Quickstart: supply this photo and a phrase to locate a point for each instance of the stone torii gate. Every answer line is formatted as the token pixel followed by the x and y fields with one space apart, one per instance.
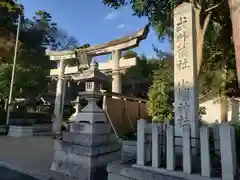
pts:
pixel 85 56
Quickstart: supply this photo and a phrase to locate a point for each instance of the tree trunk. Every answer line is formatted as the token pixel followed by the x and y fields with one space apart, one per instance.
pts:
pixel 224 108
pixel 200 31
pixel 223 96
pixel 200 42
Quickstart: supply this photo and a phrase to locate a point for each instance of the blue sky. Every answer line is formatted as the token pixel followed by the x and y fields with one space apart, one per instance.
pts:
pixel 92 22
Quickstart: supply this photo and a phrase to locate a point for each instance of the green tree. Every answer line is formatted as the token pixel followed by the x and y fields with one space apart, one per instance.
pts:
pixel 141 74
pixel 130 54
pixel 160 94
pixel 144 66
pixel 213 26
pixel 160 16
pixel 9 12
pixel 218 73
pixel 32 65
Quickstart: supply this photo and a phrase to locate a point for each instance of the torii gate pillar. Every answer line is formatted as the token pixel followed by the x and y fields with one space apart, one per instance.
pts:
pixel 59 100
pixel 116 75
pixel 61 86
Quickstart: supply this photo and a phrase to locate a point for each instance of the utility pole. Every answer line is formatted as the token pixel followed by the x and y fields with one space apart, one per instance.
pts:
pixel 13 70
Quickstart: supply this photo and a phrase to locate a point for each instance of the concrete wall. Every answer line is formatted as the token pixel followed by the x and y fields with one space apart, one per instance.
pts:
pixel 213 110
pixel 129 150
pixel 125 113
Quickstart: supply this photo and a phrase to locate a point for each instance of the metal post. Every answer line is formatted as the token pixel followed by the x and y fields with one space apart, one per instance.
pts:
pixel 13 70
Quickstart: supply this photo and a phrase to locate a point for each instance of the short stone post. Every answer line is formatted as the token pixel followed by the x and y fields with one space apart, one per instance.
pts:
pixel 77 107
pixel 187 155
pixel 148 142
pixel 216 137
pixel 155 145
pixel 228 151
pixel 104 104
pixel 85 151
pixel 141 124
pixel 170 148
pixel 205 152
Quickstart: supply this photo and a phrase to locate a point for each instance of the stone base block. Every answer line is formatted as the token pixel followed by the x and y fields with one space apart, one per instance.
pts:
pixel 20 131
pixel 129 146
pixel 91 140
pixel 83 167
pixel 92 117
pixel 89 128
pixel 66 159
pixel 85 150
pixel 39 128
pixel 129 150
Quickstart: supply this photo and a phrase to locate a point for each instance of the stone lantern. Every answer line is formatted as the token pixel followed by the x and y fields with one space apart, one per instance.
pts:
pixel 93 80
pixel 84 152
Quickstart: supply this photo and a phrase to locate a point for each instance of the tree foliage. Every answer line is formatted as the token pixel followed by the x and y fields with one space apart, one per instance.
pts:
pixel 160 94
pixel 160 13
pixel 215 53
pixel 35 36
pixel 142 69
pixel 138 77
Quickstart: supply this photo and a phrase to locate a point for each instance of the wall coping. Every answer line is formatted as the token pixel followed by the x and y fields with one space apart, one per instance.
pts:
pixel 142 172
pixel 129 143
pixel 22 127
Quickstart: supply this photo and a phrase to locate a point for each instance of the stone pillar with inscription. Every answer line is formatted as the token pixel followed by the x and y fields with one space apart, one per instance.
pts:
pixel 84 152
pixel 185 71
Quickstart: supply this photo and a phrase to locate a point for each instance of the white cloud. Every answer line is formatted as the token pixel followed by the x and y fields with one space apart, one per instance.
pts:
pixel 120 26
pixel 111 15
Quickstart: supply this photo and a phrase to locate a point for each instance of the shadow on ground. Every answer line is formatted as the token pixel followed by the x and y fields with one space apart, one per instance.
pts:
pixel 7 174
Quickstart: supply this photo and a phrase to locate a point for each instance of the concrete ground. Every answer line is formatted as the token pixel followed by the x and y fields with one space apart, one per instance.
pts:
pixel 30 155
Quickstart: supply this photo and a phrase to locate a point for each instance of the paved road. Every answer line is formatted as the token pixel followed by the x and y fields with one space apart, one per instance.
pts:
pixel 31 155
pixel 7 174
